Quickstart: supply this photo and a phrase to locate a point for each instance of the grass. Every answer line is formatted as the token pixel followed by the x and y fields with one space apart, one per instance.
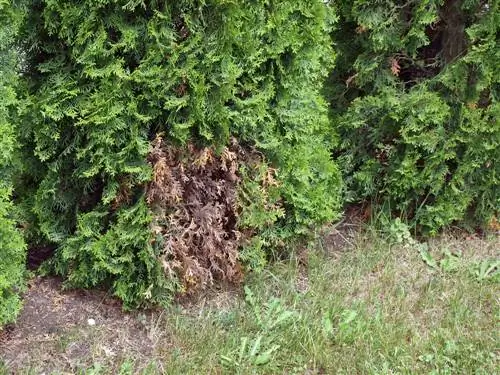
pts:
pixel 378 308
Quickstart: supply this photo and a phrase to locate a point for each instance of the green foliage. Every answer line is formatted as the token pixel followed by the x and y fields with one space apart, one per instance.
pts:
pixel 104 78
pixel 487 270
pixel 12 247
pixel 418 109
pixel 269 318
pixel 123 254
pixel 261 210
pixel 12 257
pixel 448 263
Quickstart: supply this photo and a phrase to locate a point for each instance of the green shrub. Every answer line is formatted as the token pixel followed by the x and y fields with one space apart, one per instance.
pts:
pixel 12 257
pixel 105 79
pixel 417 108
pixel 12 247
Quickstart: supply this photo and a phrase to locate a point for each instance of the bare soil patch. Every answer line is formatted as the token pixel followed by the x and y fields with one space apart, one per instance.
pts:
pixel 53 331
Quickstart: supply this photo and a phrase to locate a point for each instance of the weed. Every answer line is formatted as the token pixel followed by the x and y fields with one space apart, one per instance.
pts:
pixel 487 270
pixel 260 350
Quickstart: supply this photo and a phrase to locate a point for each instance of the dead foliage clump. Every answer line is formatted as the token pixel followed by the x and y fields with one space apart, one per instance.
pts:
pixel 193 195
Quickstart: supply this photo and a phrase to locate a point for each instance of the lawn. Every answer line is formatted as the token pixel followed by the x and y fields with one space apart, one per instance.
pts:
pixel 371 306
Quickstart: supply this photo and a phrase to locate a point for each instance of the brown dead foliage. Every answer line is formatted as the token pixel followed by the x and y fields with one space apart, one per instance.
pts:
pixel 193 195
pixel 395 67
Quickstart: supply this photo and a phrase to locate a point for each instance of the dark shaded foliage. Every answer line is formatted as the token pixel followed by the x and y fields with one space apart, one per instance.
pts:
pixel 417 110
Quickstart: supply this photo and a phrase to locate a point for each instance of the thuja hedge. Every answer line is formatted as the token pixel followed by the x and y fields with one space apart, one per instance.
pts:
pixel 12 247
pixel 105 79
pixel 415 102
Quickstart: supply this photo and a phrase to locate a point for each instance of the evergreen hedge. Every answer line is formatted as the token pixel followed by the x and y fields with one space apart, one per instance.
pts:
pixel 415 101
pixel 105 79
pixel 12 247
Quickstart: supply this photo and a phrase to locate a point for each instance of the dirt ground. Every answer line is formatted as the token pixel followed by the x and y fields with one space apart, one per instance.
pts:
pixel 55 330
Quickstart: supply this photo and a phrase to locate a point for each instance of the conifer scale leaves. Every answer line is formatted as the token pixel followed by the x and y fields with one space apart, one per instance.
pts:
pixel 106 78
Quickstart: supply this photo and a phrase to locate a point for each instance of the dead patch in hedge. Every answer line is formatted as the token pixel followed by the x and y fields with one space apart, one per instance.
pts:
pixel 193 195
